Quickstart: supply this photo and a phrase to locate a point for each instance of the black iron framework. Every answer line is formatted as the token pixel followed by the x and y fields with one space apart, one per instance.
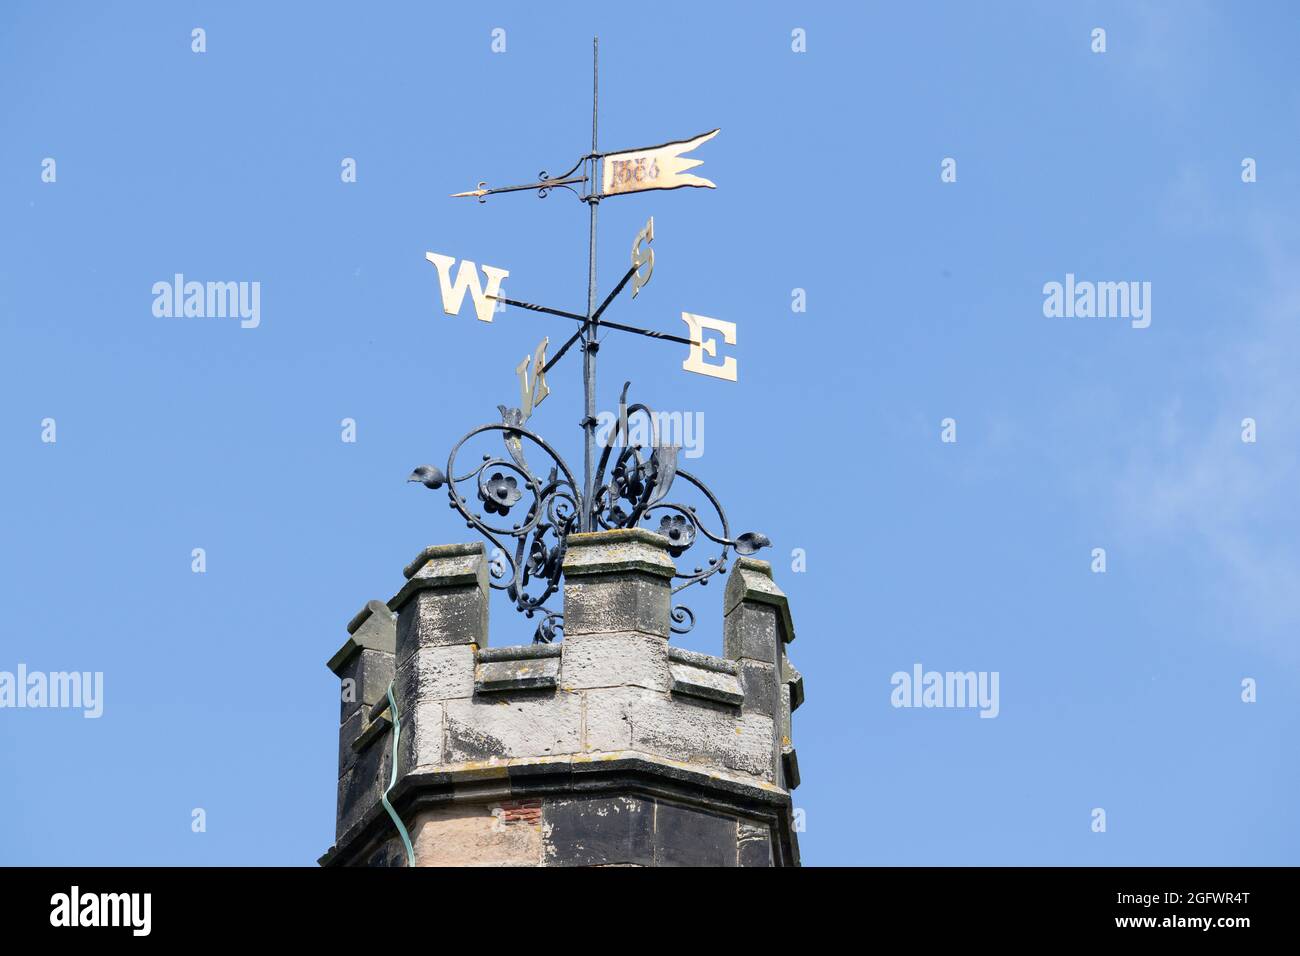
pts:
pixel 629 485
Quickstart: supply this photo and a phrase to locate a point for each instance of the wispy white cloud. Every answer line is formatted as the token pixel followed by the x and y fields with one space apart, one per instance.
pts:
pixel 1193 481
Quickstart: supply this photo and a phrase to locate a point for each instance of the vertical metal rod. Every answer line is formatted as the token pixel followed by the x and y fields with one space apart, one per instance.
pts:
pixel 586 522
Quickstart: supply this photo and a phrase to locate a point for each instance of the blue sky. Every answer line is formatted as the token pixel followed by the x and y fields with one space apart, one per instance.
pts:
pixel 1119 690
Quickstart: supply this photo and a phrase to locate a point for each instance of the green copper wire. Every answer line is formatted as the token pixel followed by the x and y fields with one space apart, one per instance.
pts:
pixel 401 827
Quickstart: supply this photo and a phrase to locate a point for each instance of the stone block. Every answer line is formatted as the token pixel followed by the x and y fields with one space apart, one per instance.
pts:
pixel 445 599
pixel 500 676
pixel 364 664
pixel 375 728
pixel 599 831
pixel 714 736
pixel 751 584
pixel 477 834
pixel 617 603
pixel 613 660
pixel 760 687
pixel 390 853
pixel 361 786
pixel 790 768
pixel 751 632
pixel 349 730
pixel 520 725
pixel 435 672
pixel 372 627
pixel 791 676
pixel 685 836
pixel 450 565
pixel 755 847
pixel 618 551
pixel 421 741
pixel 444 616
pixel 363 681
pixel 689 680
pixel 617 581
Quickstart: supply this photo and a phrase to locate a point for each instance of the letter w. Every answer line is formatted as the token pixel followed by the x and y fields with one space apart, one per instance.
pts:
pixel 453 296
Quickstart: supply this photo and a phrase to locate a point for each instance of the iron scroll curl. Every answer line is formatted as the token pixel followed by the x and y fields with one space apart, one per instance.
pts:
pixel 527 555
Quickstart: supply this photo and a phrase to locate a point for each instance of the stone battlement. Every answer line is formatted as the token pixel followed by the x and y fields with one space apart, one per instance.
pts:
pixel 609 747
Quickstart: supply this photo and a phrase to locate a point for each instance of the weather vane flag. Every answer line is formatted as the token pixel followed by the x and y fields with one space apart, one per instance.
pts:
pixel 530 536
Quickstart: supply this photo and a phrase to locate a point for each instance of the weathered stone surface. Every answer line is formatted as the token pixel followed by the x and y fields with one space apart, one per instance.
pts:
pixel 750 632
pixel 521 725
pixel 790 768
pixel 456 615
pixel 598 776
pixel 685 836
pixel 379 676
pixel 535 673
pixel 622 602
pixel 373 622
pixel 751 583
pixel 759 683
pixel 372 628
pixel 692 681
pixel 391 853
pixel 598 831
pixel 478 834
pixel 694 732
pixel 607 719
pixel 360 787
pixel 349 730
pixel 363 681
pixel 421 741
pixel 790 674
pixel 785 725
pixel 755 846
pixel 374 728
pixel 450 564
pixel 679 655
pixel 445 599
pixel 626 549
pixel 612 660
pixel 617 581
pixel 437 672
pixel 519 652
pixel 425 679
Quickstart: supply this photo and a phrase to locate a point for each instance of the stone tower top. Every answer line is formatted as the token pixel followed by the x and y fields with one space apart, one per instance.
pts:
pixel 608 748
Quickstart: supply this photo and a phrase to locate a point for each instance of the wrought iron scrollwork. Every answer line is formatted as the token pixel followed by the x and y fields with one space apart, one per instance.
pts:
pixel 549 509
pixel 546 183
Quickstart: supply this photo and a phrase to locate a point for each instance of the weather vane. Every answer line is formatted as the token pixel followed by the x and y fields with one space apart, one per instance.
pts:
pixel 640 479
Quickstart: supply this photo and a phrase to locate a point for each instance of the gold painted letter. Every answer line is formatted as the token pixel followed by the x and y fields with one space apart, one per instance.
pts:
pixel 695 361
pixel 532 394
pixel 453 296
pixel 643 259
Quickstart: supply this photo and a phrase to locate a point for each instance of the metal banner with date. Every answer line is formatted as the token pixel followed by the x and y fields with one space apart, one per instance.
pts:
pixel 653 167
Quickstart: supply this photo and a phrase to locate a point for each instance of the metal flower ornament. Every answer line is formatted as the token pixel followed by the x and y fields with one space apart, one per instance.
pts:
pixel 513 487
